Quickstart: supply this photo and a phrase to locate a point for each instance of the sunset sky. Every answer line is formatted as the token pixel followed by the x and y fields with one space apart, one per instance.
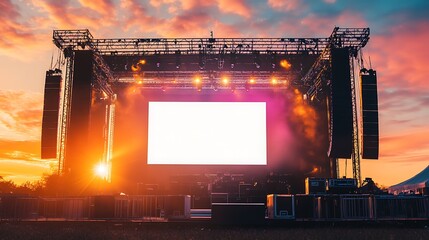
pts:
pixel 398 50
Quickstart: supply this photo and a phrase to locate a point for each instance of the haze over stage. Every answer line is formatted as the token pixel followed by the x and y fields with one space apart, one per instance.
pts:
pixel 225 133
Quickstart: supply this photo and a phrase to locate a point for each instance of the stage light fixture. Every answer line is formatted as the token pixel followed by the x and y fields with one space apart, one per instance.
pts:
pixel 274 81
pixel 197 80
pixel 225 81
pixel 198 83
pixel 285 64
pixel 135 68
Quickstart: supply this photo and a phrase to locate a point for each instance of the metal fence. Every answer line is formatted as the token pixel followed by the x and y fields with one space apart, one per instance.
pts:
pixel 317 207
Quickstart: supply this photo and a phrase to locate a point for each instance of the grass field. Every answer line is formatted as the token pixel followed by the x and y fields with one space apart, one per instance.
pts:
pixel 117 231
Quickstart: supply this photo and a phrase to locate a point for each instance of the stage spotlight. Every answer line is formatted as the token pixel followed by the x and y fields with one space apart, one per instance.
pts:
pixel 198 83
pixel 274 81
pixel 225 81
pixel 101 170
pixel 197 80
pixel 285 64
pixel 138 66
pixel 304 97
pixel 252 81
pixel 135 68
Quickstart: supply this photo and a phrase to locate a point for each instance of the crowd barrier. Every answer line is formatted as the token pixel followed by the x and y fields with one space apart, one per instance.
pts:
pixel 300 207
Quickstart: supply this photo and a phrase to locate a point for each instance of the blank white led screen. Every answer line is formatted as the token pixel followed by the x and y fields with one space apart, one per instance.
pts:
pixel 207 133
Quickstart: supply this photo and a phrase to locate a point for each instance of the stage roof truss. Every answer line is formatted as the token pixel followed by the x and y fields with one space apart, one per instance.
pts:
pixel 318 75
pixel 206 50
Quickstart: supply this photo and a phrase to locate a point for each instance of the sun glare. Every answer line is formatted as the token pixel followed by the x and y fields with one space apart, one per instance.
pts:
pixel 101 170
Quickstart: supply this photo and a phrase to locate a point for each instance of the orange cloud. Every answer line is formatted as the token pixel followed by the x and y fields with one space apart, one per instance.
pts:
pixel 20 129
pixel 20 115
pixel 401 156
pixel 413 146
pixel 104 7
pixel 62 14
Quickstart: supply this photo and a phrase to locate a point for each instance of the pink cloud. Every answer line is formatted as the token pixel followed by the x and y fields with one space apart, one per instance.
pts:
pixel 12 31
pixel 400 56
pixel 285 5
pixel 193 4
pixel 137 16
pixel 187 24
pixel 238 7
pixel 318 25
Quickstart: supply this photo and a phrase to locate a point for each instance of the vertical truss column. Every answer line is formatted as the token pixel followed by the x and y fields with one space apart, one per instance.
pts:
pixel 356 153
pixel 65 110
pixel 108 138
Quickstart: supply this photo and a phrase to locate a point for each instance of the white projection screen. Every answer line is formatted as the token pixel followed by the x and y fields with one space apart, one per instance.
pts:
pixel 207 133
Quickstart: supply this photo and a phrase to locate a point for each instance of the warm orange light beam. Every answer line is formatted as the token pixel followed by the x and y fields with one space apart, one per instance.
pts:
pixel 285 64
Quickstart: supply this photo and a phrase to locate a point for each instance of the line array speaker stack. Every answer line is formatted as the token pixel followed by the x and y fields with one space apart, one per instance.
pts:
pixel 370 138
pixel 340 113
pixel 79 115
pixel 51 105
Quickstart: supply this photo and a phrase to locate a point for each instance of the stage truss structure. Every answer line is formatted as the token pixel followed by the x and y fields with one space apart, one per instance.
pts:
pixel 160 63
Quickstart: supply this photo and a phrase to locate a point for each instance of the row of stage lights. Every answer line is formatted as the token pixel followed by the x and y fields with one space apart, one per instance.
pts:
pixel 225 81
pixel 137 66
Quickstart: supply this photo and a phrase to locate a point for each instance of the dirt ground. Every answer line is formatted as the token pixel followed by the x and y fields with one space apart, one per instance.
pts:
pixel 129 230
